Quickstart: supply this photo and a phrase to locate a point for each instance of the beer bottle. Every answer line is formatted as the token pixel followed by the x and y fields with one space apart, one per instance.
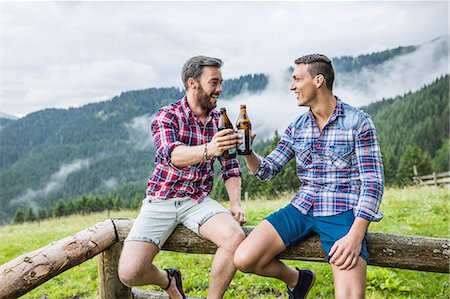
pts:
pixel 244 127
pixel 225 123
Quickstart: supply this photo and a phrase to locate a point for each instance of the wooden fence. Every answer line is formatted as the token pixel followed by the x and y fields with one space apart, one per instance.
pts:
pixel 26 272
pixel 434 179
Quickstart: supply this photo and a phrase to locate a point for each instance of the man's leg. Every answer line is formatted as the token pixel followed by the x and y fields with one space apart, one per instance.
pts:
pixel 225 232
pixel 136 267
pixel 350 284
pixel 347 283
pixel 154 224
pixel 257 253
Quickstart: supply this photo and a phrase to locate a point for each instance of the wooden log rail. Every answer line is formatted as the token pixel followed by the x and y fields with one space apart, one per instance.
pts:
pixel 26 272
pixel 434 179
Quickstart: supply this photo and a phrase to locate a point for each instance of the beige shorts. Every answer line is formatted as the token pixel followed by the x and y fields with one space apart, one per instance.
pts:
pixel 158 218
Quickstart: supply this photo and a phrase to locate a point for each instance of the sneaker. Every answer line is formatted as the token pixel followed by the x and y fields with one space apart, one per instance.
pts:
pixel 305 282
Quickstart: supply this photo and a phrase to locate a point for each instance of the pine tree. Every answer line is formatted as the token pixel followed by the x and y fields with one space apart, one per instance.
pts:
pixel 59 209
pixel 19 217
pixel 31 216
pixel 413 156
pixel 441 161
pixel 42 214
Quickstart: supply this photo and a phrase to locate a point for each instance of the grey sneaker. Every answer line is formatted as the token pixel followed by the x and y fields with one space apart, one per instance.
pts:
pixel 305 282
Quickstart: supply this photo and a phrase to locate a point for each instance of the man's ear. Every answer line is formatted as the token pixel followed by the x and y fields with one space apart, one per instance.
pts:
pixel 319 80
pixel 192 83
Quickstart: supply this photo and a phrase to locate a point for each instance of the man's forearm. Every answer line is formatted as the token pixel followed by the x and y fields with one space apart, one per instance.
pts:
pixel 183 155
pixel 252 161
pixel 359 228
pixel 233 186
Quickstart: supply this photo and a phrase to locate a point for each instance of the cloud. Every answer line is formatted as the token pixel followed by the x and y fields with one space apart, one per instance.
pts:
pixel 56 182
pixel 139 132
pixel 109 184
pixel 82 52
pixel 400 75
pixel 84 82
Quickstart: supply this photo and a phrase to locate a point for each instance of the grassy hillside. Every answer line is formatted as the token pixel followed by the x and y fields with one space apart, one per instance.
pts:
pixel 411 211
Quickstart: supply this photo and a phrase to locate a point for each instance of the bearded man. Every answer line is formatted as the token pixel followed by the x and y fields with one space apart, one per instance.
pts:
pixel 187 142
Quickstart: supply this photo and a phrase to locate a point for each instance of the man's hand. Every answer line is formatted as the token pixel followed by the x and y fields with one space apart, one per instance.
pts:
pixel 238 214
pixel 345 252
pixel 222 141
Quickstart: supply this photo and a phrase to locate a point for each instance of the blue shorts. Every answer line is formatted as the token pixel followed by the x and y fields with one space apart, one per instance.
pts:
pixel 292 226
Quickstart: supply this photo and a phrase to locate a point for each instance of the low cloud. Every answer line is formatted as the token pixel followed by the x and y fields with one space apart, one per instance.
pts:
pixel 276 107
pixel 56 182
pixel 109 184
pixel 139 132
pixel 395 77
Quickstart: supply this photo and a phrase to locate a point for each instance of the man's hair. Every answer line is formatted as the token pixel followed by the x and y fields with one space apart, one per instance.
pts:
pixel 193 68
pixel 318 64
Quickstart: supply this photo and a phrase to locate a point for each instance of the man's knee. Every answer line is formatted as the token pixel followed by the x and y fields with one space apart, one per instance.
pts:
pixel 244 261
pixel 350 284
pixel 232 239
pixel 127 273
pixel 135 261
pixel 349 293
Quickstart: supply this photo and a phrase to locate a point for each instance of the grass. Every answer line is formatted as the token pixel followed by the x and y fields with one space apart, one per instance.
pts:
pixel 410 211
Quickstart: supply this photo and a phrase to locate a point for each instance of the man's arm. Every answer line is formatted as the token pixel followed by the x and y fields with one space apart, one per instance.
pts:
pixel 346 250
pixel 233 186
pixel 253 162
pixel 183 155
pixel 268 167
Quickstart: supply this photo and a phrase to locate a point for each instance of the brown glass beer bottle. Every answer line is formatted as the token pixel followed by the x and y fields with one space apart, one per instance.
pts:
pixel 225 123
pixel 244 127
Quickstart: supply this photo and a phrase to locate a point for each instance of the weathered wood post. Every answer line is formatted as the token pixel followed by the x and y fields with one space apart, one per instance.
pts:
pixel 109 284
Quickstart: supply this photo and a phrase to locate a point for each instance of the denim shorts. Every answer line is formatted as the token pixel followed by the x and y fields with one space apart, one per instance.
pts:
pixel 293 226
pixel 158 217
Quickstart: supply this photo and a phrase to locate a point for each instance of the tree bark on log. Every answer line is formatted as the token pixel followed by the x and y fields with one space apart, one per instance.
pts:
pixel 24 273
pixel 387 250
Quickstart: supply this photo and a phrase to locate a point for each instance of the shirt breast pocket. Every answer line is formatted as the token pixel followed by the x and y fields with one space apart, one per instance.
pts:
pixel 303 154
pixel 339 156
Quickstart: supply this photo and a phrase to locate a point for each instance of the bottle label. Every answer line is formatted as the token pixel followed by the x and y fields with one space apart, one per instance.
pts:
pixel 241 146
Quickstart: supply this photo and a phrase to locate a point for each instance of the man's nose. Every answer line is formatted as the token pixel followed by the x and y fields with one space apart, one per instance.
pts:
pixel 292 86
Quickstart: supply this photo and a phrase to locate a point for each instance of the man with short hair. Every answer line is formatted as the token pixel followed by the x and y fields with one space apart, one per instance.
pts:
pixel 339 162
pixel 187 141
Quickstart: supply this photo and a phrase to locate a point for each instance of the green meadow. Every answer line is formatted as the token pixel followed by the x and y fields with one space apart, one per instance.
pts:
pixel 421 211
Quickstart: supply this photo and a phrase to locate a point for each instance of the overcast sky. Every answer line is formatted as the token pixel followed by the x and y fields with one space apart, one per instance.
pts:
pixel 66 54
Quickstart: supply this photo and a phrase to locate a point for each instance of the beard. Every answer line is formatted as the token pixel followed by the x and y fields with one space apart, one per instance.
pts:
pixel 204 99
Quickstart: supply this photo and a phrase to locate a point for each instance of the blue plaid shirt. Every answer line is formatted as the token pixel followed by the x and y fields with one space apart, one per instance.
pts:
pixel 340 168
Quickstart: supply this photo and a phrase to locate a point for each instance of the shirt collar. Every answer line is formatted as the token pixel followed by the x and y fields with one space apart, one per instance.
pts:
pixel 186 109
pixel 338 111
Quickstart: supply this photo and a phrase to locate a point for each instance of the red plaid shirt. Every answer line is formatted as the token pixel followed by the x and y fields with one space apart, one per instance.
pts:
pixel 175 125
